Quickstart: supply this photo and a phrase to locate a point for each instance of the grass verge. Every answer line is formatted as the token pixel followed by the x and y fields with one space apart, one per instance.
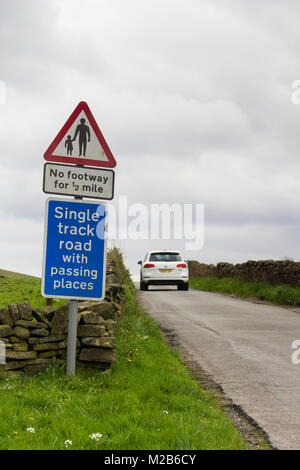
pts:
pixel 148 402
pixel 280 295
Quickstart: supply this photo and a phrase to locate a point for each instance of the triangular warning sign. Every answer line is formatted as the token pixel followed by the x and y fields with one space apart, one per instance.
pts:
pixel 80 141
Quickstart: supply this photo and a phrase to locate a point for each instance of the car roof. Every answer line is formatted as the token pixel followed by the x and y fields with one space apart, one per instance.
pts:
pixel 162 251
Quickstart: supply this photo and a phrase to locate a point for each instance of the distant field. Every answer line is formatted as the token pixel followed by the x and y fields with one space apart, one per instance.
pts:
pixel 280 295
pixel 18 290
pixel 13 275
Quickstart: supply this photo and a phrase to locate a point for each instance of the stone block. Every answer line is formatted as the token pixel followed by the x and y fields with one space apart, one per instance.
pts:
pixel 45 346
pixel 20 346
pixel 21 332
pixel 25 311
pixel 14 339
pixel 98 355
pixel 90 330
pixel 41 317
pixel 14 311
pixel 111 325
pixel 20 355
pixel 60 320
pixel 63 344
pixel 30 324
pixel 49 312
pixel 90 317
pixel 50 353
pixel 5 317
pixel 12 365
pixel 46 339
pixel 5 330
pixel 40 332
pixel 102 342
pixel 105 310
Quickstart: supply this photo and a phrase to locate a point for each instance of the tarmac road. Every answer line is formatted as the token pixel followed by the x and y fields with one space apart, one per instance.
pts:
pixel 245 347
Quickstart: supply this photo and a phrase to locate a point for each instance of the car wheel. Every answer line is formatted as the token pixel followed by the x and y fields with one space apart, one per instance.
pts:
pixel 143 286
pixel 184 286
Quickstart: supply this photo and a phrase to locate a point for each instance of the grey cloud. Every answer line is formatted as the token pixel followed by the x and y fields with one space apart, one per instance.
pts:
pixel 193 98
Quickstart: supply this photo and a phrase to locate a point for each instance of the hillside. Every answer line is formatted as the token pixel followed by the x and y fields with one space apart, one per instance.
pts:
pixel 14 275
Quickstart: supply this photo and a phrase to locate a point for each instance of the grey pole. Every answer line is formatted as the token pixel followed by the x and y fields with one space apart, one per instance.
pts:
pixel 72 331
pixel 72 337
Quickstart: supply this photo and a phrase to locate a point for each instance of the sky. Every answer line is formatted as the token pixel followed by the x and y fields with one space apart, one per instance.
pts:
pixel 193 97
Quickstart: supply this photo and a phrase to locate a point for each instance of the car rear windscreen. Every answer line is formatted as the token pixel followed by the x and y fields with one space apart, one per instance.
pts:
pixel 165 256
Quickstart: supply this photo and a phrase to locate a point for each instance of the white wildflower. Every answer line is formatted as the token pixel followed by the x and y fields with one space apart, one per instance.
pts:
pixel 30 430
pixel 165 412
pixel 96 436
pixel 68 443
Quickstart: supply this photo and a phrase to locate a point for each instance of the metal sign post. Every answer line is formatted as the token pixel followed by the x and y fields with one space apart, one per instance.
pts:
pixel 72 337
pixel 72 334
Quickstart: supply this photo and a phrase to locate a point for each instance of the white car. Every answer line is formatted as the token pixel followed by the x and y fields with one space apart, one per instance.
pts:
pixel 163 268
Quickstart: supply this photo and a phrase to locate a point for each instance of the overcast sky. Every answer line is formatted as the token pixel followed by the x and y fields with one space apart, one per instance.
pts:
pixel 193 97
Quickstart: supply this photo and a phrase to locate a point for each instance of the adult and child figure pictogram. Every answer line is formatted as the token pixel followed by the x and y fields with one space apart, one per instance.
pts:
pixel 84 137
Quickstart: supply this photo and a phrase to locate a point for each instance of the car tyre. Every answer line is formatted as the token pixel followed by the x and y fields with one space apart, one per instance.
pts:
pixel 143 286
pixel 184 286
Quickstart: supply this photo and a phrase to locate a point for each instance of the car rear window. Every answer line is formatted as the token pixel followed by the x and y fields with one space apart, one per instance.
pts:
pixel 165 256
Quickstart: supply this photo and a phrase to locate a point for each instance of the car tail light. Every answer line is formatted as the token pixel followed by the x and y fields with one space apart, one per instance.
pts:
pixel 181 265
pixel 149 265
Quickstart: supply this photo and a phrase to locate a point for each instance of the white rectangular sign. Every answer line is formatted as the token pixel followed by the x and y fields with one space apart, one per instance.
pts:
pixel 85 181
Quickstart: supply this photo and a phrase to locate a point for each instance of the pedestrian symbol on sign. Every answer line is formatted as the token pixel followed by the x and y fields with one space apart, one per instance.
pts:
pixel 69 145
pixel 84 133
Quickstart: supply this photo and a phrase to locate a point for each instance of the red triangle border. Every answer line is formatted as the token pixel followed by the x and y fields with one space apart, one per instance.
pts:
pixel 82 106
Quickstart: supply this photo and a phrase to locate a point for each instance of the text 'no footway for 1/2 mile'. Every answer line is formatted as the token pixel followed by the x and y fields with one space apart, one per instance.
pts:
pixel 69 180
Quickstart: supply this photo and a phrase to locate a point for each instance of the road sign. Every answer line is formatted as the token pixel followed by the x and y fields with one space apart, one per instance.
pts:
pixel 80 141
pixel 86 181
pixel 74 249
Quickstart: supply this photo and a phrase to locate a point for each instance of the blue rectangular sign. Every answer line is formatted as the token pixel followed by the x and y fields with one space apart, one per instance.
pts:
pixel 74 249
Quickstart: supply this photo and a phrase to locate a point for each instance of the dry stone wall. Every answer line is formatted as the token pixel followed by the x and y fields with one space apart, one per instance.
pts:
pixel 273 272
pixel 34 339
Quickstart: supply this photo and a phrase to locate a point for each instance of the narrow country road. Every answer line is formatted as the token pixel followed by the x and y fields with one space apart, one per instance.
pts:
pixel 245 347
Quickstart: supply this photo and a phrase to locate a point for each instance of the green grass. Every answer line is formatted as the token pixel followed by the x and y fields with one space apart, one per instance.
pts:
pixel 13 291
pixel 149 401
pixel 280 295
